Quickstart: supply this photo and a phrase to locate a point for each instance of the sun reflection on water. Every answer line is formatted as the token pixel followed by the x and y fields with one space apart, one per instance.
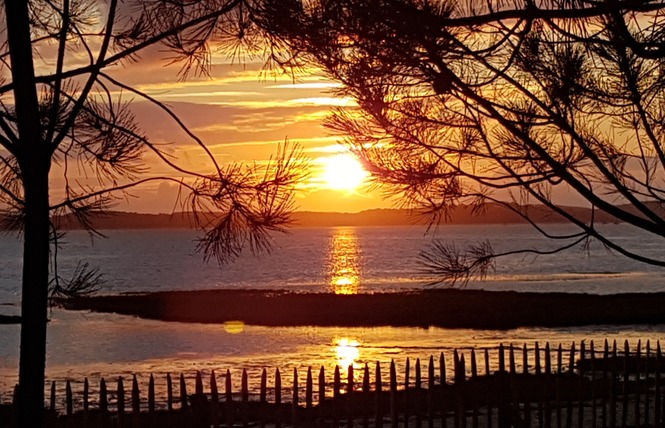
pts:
pixel 344 261
pixel 346 351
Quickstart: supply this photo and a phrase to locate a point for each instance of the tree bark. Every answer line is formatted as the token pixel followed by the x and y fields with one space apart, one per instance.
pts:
pixel 33 156
pixel 34 305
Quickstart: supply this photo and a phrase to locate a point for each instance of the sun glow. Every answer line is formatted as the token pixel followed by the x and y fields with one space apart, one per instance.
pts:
pixel 343 172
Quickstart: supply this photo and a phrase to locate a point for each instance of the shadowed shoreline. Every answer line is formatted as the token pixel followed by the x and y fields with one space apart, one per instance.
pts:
pixel 441 308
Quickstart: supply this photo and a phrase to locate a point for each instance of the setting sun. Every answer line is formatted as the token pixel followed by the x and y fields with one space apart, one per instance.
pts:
pixel 343 172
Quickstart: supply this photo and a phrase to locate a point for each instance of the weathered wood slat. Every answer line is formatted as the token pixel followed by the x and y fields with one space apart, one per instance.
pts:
pixel 103 396
pixel 337 385
pixel 626 376
pixel 394 413
pixel 69 399
pixel 430 391
pixel 637 414
pixel 151 394
pixel 525 371
pixel 278 397
pixel 244 397
pixel 169 392
pixel 52 398
pixel 214 399
pixel 309 394
pixel 647 391
pixel 378 407
pixel 366 392
pixel 322 391
pixel 86 395
pixel 657 385
pixel 349 395
pixel 120 396
pixel 294 399
pixel 136 396
pixel 183 393
pixel 228 395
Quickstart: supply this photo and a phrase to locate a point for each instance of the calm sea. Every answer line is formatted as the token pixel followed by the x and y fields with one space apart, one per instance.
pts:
pixel 344 260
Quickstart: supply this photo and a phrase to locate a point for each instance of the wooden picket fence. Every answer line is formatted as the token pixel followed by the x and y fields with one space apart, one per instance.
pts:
pixel 521 387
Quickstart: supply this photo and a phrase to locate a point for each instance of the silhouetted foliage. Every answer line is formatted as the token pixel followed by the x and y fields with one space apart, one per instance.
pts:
pixel 464 103
pixel 65 125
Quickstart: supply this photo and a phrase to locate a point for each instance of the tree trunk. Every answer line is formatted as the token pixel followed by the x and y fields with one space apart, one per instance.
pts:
pixel 34 305
pixel 34 159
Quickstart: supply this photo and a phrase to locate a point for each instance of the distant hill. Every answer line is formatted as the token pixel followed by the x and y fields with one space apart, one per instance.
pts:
pixel 492 214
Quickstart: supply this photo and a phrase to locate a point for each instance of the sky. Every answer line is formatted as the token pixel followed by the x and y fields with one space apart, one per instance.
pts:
pixel 242 114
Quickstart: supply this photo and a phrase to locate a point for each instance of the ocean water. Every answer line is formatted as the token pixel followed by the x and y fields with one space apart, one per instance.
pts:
pixel 342 260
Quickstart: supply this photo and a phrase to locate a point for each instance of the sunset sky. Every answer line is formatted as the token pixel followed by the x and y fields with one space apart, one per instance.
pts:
pixel 242 113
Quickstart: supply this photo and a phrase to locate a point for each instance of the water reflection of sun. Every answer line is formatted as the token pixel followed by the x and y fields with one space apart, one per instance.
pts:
pixel 344 261
pixel 346 351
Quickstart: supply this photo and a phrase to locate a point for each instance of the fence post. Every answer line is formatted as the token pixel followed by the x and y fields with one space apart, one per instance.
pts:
pixel 198 383
pixel 322 393
pixel 430 391
pixel 407 382
pixel 335 401
pixel 69 400
pixel 525 371
pixel 647 397
pixel 657 397
pixel 502 359
pixel 580 385
pixel 378 414
pixel 442 369
pixel 244 396
pixel 86 395
pixel 349 394
pixel 263 397
pixel 121 401
pixel 183 393
pixel 606 388
pixel 309 387
pixel 214 400
pixel 366 393
pixel 626 379
pixel 169 392
pixel 136 396
pixel 457 389
pixel 613 388
pixel 569 404
pixel 86 402
pixel 136 402
pixel 151 394
pixel 548 385
pixel 278 398
pixel 394 416
pixel 462 399
pixel 474 375
pixel 418 392
pixel 592 355
pixel 52 399
pixel 103 402
pixel 511 359
pixel 103 397
pixel 638 372
pixel 294 399
pixel 228 395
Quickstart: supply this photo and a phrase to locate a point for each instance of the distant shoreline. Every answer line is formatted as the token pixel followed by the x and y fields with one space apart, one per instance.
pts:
pixel 460 215
pixel 451 308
